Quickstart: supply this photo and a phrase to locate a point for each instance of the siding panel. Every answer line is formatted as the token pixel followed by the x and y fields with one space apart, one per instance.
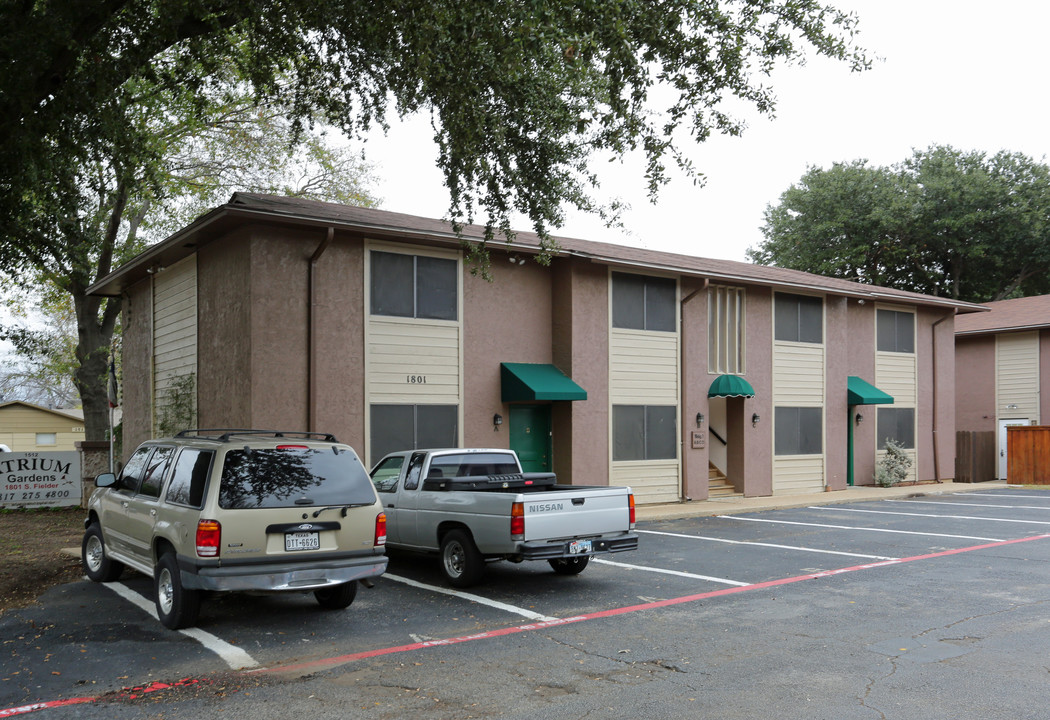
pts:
pixel 1017 375
pixel 174 330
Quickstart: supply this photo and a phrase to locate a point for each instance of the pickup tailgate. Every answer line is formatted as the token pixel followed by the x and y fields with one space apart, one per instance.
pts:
pixel 576 513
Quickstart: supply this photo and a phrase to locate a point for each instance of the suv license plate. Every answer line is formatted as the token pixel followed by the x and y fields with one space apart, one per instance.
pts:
pixel 302 541
pixel 577 547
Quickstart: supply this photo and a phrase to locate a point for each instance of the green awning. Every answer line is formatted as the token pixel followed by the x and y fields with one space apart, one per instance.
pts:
pixel 861 392
pixel 537 381
pixel 730 386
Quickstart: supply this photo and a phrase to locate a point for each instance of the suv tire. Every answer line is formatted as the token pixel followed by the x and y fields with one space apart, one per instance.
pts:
pixel 93 556
pixel 337 597
pixel 177 607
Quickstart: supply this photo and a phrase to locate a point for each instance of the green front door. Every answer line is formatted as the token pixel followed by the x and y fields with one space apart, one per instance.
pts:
pixel 530 436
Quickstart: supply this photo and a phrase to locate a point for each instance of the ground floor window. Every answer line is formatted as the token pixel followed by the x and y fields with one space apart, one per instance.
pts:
pixel 897 424
pixel 644 432
pixel 407 427
pixel 798 431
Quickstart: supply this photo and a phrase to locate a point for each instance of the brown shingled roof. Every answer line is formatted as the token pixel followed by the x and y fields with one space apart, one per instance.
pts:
pixel 394 226
pixel 1027 313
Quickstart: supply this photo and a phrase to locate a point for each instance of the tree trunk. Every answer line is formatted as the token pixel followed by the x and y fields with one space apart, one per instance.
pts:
pixel 94 336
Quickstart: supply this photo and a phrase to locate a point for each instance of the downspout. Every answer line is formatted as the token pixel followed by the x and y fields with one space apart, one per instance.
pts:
pixel 311 330
pixel 681 369
pixel 936 463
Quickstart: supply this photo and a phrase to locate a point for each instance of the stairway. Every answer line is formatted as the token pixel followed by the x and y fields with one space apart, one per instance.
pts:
pixel 718 485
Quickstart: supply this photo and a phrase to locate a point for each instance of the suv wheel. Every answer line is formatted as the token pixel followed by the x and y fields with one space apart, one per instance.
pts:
pixel 336 597
pixel 177 607
pixel 97 565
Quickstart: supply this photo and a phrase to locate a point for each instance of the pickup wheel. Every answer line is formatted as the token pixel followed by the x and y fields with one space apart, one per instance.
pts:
pixel 93 556
pixel 460 559
pixel 177 607
pixel 336 597
pixel 569 566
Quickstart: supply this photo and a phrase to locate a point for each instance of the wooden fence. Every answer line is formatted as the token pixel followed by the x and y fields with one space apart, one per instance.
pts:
pixel 974 456
pixel 1028 455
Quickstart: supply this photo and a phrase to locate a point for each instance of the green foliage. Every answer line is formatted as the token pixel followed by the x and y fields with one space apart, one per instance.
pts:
pixel 178 410
pixel 894 466
pixel 943 222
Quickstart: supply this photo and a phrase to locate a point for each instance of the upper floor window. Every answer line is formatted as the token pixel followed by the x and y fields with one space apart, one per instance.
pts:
pixel 640 302
pixel 798 318
pixel 895 331
pixel 725 330
pixel 414 286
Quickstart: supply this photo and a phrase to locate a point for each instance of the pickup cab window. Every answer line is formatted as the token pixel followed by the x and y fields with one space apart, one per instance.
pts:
pixel 386 473
pixel 414 466
pixel 473 465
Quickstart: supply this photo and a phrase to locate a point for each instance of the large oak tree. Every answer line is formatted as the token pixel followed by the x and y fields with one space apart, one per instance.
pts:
pixel 522 93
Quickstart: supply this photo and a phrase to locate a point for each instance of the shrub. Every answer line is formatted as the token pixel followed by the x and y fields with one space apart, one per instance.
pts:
pixel 894 466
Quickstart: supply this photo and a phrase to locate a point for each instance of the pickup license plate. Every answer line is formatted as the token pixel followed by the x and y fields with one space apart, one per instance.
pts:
pixel 578 547
pixel 302 541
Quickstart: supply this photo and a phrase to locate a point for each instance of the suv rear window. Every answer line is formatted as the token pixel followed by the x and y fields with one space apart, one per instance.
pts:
pixel 293 477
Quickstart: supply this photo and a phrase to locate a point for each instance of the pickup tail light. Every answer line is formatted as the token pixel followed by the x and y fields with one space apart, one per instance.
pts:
pixel 517 521
pixel 630 507
pixel 209 537
pixel 380 536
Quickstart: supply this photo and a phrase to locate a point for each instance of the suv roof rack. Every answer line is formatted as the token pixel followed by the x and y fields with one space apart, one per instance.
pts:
pixel 224 434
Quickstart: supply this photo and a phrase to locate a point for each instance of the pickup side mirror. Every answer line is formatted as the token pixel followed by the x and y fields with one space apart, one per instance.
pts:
pixel 105 480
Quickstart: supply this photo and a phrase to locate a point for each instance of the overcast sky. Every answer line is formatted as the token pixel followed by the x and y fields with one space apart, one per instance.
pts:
pixel 963 73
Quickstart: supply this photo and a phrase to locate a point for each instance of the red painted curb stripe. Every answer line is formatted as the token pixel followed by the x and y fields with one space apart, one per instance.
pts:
pixel 316 665
pixel 343 659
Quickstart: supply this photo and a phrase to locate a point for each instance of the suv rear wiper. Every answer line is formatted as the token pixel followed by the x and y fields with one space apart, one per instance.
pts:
pixel 344 508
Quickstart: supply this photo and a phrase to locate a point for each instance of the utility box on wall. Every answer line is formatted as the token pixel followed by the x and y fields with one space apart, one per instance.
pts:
pixel 1028 455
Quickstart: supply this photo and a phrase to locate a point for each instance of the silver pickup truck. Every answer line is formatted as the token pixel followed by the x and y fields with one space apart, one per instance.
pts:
pixel 476 505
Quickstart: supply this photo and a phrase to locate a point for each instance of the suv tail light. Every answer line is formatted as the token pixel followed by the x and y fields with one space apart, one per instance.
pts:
pixel 630 506
pixel 517 521
pixel 380 536
pixel 209 535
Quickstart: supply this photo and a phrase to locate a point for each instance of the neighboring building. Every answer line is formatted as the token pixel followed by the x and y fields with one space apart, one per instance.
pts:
pixel 1001 358
pixel 612 365
pixel 25 427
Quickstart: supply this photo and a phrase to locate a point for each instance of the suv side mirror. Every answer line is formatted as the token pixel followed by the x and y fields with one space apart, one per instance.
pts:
pixel 105 480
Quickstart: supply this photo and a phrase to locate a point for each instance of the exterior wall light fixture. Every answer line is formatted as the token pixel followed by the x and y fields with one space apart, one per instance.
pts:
pixel 497 420
pixel 699 419
pixel 754 419
pixel 859 418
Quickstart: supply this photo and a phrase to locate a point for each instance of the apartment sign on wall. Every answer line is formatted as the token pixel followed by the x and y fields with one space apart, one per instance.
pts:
pixel 39 479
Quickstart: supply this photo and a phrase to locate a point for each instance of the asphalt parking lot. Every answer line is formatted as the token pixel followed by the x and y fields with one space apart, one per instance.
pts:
pixel 930 606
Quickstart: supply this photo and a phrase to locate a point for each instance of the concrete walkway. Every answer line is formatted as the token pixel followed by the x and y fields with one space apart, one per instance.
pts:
pixel 737 505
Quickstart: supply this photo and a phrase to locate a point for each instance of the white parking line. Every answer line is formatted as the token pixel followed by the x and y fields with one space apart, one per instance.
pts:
pixel 679 573
pixel 983 505
pixel 931 515
pixel 852 527
pixel 768 545
pixel 232 655
pixel 468 596
pixel 1002 495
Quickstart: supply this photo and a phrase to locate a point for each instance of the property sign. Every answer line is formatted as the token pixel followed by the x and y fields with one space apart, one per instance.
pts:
pixel 39 479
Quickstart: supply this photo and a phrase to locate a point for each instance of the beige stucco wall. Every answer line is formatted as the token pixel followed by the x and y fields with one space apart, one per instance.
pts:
pixel 224 369
pixel 860 349
pixel 580 334
pixel 757 452
pixel 505 320
pixel 935 416
pixel 975 383
pixel 694 385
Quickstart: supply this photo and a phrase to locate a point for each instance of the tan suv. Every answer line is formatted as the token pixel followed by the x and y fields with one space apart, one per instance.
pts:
pixel 247 510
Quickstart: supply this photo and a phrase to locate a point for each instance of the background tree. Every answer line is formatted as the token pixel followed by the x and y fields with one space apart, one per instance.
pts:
pixel 199 146
pixel 942 222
